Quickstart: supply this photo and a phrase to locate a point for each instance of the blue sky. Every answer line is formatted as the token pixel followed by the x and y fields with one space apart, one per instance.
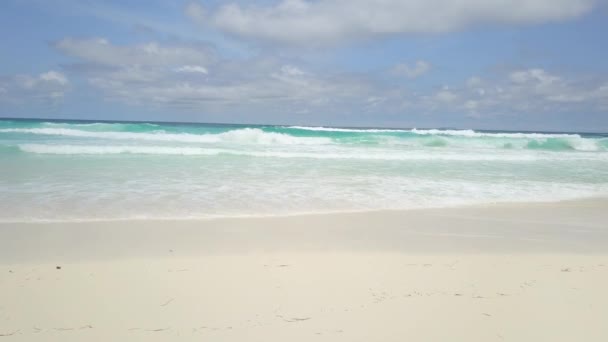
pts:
pixel 497 64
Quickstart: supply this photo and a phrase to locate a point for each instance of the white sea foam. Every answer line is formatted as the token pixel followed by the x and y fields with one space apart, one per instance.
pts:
pixel 354 130
pixel 95 124
pixel 256 136
pixel 582 144
pixel 472 134
pixel 451 132
pixel 242 136
pixel 192 151
pixel 112 171
pixel 94 201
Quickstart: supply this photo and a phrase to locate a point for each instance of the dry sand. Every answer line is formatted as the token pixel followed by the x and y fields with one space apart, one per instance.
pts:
pixel 534 272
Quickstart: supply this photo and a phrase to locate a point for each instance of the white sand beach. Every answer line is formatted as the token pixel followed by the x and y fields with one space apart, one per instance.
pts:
pixel 304 170
pixel 505 272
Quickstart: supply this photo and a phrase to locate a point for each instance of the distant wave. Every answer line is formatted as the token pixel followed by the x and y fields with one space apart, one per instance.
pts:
pixel 411 139
pixel 354 130
pixel 103 126
pixel 245 135
pixel 95 124
pixel 447 138
pixel 450 132
pixel 472 134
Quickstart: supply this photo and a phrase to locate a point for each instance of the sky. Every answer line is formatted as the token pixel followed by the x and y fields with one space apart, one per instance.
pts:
pixel 485 64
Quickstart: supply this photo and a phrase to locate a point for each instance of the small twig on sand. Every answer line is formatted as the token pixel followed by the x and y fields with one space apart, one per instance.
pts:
pixel 168 302
pixel 293 319
pixel 10 334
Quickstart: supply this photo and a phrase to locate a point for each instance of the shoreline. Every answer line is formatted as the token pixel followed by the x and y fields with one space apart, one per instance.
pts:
pixel 583 201
pixel 565 227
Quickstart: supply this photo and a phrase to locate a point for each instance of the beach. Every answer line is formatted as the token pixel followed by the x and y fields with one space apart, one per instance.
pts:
pixel 496 272
pixel 304 170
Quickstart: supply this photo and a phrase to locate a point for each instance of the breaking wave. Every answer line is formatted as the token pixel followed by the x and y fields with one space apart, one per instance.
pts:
pixel 352 130
pixel 436 139
pixel 242 136
pixel 81 171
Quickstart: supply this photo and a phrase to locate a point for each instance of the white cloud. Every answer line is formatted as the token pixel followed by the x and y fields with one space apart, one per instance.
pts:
pixel 291 70
pixel 533 91
pixel 539 76
pixel 471 105
pixel 418 69
pixel 266 84
pixel 474 81
pixel 44 80
pixel 329 21
pixel 262 84
pixel 267 91
pixel 101 51
pixel 195 11
pixel 192 69
pixel 54 76
pixel 51 86
pixel 445 95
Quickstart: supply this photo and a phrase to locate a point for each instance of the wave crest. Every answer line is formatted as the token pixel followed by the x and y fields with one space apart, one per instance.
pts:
pixel 242 136
pixel 445 132
pixel 351 130
pixel 472 134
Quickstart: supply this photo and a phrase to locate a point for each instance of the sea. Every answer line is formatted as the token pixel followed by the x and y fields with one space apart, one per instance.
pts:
pixel 88 171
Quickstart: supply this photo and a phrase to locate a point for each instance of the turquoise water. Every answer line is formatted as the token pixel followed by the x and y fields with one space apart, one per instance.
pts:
pixel 97 171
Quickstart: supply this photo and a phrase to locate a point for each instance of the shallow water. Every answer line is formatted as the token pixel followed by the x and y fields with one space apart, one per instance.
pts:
pixel 92 171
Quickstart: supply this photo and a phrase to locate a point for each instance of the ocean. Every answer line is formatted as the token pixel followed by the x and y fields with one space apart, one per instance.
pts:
pixel 87 171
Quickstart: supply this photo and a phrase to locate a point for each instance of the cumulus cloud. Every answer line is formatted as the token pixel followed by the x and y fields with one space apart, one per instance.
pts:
pixel 329 21
pixel 445 95
pixel 269 86
pixel 54 76
pixel 195 11
pixel 101 51
pixel 474 81
pixel 536 75
pixel 260 84
pixel 192 69
pixel 47 86
pixel 155 74
pixel 531 91
pixel 418 69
